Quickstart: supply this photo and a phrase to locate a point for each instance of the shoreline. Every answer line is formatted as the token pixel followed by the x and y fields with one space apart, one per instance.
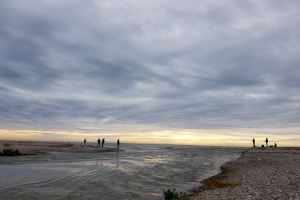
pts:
pixel 28 148
pixel 257 174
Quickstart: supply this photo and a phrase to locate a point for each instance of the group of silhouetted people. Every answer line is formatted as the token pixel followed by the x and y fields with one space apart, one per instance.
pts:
pixel 266 141
pixel 100 143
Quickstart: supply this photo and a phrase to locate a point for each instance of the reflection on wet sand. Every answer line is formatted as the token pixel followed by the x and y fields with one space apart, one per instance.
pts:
pixel 139 172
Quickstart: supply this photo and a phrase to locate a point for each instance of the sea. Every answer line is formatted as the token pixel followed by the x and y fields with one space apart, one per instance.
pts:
pixel 140 172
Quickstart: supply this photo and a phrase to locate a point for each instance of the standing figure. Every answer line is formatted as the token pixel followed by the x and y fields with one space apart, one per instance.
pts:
pixel 84 142
pixel 253 141
pixel 118 144
pixel 267 142
pixel 275 145
pixel 98 142
pixel 103 140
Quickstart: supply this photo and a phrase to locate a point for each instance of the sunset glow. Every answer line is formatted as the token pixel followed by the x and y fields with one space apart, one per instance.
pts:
pixel 180 137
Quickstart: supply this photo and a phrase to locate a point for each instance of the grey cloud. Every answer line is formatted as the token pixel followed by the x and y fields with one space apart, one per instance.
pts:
pixel 201 64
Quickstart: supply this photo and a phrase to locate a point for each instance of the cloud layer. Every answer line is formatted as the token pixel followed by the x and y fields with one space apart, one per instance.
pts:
pixel 195 65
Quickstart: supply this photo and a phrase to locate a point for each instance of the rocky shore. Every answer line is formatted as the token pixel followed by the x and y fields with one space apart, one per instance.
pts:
pixel 269 173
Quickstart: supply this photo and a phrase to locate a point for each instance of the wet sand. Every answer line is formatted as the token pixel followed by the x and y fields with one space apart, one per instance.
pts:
pixel 270 173
pixel 34 148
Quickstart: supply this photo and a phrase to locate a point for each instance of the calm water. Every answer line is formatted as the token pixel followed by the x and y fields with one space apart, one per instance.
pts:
pixel 140 172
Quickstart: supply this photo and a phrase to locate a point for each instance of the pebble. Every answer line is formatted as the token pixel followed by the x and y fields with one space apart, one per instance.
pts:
pixel 260 175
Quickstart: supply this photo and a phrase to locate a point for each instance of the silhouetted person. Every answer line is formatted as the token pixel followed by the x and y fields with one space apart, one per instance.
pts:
pixel 118 144
pixel 275 145
pixel 262 146
pixel 103 140
pixel 266 142
pixel 253 141
pixel 84 142
pixel 98 142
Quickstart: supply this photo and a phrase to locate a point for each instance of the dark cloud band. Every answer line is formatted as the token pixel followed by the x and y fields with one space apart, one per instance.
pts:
pixel 209 64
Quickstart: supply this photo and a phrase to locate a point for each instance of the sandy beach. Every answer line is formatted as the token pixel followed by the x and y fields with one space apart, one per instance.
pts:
pixel 34 148
pixel 258 174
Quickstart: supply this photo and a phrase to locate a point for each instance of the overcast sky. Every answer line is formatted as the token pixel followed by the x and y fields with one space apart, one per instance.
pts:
pixel 150 65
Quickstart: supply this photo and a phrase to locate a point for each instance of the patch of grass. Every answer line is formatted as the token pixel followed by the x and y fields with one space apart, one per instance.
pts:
pixel 10 152
pixel 170 194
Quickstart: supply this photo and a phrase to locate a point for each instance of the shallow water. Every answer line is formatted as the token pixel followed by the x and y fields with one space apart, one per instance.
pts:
pixel 139 172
